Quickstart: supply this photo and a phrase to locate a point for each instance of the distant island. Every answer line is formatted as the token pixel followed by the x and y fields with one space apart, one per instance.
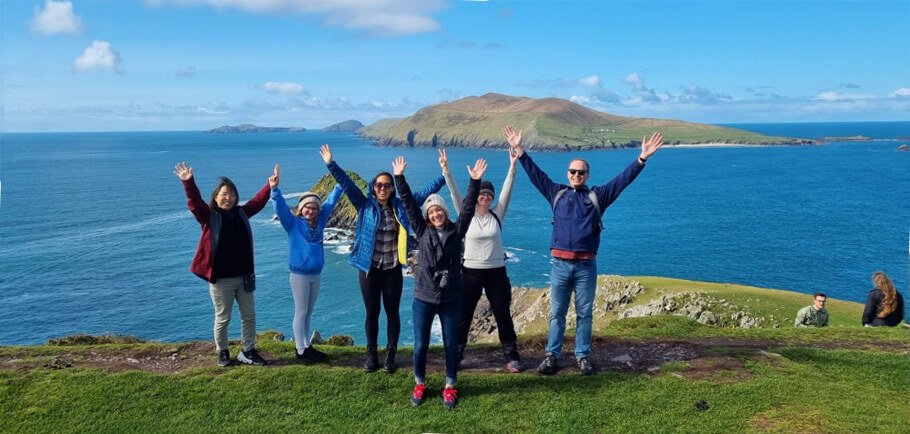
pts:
pixel 551 124
pixel 846 139
pixel 250 128
pixel 348 126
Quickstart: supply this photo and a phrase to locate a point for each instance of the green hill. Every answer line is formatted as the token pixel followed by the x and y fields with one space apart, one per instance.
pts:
pixel 548 123
pixel 657 374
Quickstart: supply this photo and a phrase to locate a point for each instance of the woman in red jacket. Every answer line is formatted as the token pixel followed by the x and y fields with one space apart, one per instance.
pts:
pixel 224 258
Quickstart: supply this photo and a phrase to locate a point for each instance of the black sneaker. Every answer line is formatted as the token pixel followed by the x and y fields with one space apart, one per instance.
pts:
pixel 301 357
pixel 585 366
pixel 549 365
pixel 311 354
pixel 251 357
pixel 224 358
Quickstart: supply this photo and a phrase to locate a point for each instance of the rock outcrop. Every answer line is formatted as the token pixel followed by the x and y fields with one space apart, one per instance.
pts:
pixel 698 306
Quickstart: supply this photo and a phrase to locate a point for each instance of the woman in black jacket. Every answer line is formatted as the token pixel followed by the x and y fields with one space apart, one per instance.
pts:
pixel 437 277
pixel 885 306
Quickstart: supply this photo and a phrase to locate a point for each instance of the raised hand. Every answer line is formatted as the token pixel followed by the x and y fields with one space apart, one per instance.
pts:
pixel 183 171
pixel 479 168
pixel 650 146
pixel 443 160
pixel 514 140
pixel 273 180
pixel 513 158
pixel 326 153
pixel 398 166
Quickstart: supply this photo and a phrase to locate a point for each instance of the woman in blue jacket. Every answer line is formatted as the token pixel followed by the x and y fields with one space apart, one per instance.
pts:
pixel 305 227
pixel 380 249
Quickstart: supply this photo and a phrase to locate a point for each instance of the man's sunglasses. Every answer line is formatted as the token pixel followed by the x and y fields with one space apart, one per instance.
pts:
pixel 581 172
pixel 383 185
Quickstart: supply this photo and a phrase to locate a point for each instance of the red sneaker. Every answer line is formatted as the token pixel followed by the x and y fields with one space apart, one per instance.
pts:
pixel 449 397
pixel 417 396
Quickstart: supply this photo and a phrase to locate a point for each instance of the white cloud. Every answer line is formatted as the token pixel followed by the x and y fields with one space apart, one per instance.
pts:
pixel 903 92
pixel 188 72
pixel 702 95
pixel 634 80
pixel 831 95
pixel 281 87
pixel 590 81
pixel 99 56
pixel 381 17
pixel 56 17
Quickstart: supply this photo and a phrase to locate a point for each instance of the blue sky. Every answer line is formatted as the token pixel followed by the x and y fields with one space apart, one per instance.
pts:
pixel 100 65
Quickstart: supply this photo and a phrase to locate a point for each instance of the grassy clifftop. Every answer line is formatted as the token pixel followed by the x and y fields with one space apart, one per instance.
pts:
pixel 657 374
pixel 548 123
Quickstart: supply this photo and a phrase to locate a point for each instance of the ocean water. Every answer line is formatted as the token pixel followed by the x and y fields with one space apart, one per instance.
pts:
pixel 95 236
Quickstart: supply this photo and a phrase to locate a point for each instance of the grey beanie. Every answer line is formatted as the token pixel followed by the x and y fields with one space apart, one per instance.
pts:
pixel 308 197
pixel 435 200
pixel 487 187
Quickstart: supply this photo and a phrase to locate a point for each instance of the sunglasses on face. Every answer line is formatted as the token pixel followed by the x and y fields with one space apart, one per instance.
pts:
pixel 486 194
pixel 581 172
pixel 383 185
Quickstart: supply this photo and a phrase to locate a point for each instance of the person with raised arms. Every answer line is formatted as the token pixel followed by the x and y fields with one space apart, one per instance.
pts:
pixel 437 277
pixel 484 267
pixel 577 213
pixel 380 249
pixel 224 258
pixel 305 227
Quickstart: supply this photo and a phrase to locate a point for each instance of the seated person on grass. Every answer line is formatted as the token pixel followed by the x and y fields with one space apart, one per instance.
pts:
pixel 814 315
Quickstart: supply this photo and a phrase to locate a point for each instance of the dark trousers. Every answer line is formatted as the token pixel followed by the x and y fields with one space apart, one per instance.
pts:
pixel 382 287
pixel 423 322
pixel 495 283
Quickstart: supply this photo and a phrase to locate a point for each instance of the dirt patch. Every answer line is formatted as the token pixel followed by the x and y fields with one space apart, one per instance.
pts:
pixel 710 359
pixel 803 419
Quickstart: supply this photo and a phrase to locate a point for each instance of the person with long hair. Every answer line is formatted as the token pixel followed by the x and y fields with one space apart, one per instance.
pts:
pixel 884 306
pixel 224 258
pixel 380 249
pixel 437 278
pixel 484 267
pixel 305 227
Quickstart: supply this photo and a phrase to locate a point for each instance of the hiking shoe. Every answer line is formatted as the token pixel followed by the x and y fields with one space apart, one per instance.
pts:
pixel 449 397
pixel 311 354
pixel 390 365
pixel 549 365
pixel 371 364
pixel 585 366
pixel 417 396
pixel 224 358
pixel 251 357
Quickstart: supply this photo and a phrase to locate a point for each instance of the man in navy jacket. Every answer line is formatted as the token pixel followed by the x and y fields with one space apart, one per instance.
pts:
pixel 577 211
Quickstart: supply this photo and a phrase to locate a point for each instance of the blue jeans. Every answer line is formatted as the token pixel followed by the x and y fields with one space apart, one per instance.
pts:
pixel 566 276
pixel 449 315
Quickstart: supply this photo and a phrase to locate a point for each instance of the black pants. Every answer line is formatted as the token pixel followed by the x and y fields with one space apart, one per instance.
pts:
pixel 495 283
pixel 382 286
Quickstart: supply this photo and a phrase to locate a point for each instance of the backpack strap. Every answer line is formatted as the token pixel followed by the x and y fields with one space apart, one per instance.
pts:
pixel 498 221
pixel 592 196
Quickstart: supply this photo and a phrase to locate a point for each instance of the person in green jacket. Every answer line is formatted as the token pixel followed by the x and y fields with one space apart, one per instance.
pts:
pixel 814 315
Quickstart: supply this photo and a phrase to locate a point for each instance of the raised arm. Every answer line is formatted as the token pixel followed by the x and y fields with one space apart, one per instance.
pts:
pixel 254 205
pixel 470 201
pixel 505 193
pixel 194 201
pixel 350 188
pixel 282 210
pixel 329 205
pixel 541 181
pixel 411 207
pixel 650 146
pixel 450 181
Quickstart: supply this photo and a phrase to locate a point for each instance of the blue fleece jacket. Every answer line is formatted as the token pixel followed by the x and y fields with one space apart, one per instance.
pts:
pixel 305 252
pixel 576 223
pixel 369 214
